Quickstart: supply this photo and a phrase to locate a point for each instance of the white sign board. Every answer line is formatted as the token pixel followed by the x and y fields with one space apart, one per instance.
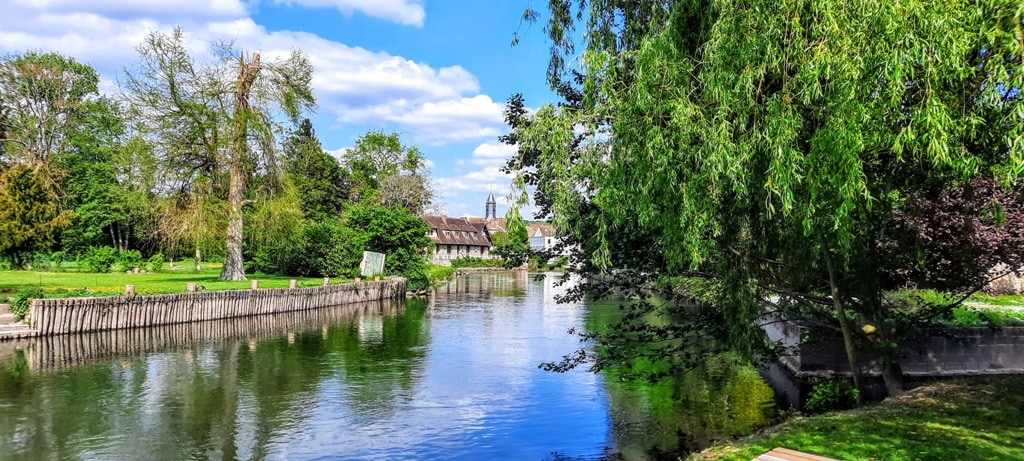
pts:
pixel 373 264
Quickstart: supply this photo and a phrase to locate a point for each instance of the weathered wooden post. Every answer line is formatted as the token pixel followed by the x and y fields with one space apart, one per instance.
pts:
pixel 327 281
pixel 190 287
pixel 376 278
pixel 254 284
pixel 291 283
pixel 129 290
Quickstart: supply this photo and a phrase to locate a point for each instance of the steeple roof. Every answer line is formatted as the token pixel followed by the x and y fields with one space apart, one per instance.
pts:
pixel 490 199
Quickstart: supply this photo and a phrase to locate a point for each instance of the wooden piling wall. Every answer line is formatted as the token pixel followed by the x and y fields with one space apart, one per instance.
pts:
pixel 80 315
pixel 61 352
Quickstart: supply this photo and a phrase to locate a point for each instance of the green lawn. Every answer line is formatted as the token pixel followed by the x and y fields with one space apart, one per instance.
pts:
pixel 976 419
pixel 168 281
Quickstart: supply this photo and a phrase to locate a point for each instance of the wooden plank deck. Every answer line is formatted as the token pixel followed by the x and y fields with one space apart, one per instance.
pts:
pixel 785 454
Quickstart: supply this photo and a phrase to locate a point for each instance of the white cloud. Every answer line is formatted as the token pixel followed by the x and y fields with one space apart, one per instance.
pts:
pixel 142 8
pixel 489 157
pixel 491 154
pixel 409 12
pixel 352 84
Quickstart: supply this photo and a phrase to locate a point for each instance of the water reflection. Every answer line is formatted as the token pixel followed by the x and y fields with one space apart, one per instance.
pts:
pixel 452 377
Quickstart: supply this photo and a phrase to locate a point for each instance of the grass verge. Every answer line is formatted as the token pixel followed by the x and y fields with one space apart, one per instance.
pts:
pixel 976 418
pixel 62 284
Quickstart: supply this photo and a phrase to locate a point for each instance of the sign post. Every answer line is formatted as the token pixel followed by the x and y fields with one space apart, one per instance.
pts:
pixel 373 264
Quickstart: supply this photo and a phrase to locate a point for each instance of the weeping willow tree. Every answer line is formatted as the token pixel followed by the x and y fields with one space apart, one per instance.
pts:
pixel 216 124
pixel 767 147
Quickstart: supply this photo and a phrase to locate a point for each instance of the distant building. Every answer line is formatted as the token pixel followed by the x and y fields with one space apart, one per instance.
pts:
pixel 490 220
pixel 542 236
pixel 457 238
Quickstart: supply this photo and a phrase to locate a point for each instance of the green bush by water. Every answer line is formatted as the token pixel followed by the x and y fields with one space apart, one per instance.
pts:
pixel 23 302
pixel 831 395
pixel 471 261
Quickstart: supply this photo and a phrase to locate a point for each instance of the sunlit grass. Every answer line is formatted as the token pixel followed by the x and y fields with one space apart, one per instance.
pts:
pixel 59 284
pixel 977 419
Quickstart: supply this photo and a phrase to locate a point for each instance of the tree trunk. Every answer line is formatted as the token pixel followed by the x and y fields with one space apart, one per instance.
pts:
pixel 844 326
pixel 234 268
pixel 892 374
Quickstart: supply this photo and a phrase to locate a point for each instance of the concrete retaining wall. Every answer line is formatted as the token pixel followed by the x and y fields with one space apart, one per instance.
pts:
pixel 940 352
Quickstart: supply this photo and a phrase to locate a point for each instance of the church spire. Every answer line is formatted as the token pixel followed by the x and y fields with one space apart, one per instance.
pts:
pixel 492 206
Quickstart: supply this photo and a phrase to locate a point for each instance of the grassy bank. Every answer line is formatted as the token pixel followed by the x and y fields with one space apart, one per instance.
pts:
pixel 169 281
pixel 976 419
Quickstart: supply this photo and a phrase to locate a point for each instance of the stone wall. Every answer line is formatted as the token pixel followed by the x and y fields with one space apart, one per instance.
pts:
pixel 940 352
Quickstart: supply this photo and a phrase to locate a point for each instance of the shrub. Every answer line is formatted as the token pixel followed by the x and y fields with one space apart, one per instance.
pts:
pixel 156 262
pixel 831 395
pixel 416 277
pixel 470 261
pixel 129 259
pixel 23 302
pixel 98 259
pixel 436 272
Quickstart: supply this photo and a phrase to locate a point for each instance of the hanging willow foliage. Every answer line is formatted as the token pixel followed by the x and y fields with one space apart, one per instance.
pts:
pixel 768 144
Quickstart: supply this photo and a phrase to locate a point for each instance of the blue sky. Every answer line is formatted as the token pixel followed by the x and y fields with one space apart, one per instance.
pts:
pixel 436 71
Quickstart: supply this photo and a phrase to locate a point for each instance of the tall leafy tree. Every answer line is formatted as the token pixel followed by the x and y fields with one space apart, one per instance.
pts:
pixel 109 183
pixel 322 184
pixel 204 117
pixel 387 172
pixel 769 147
pixel 41 98
pixel 30 213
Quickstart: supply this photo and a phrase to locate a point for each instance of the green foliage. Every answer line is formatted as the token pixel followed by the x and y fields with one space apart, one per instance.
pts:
pixel 322 184
pixel 388 173
pixel 762 146
pixel 23 302
pixel 327 248
pixel 436 273
pixel 227 114
pixel 41 97
pixel 109 181
pixel 964 316
pixel 98 259
pixel 397 233
pixel 30 215
pixel 129 259
pixel 831 395
pixel 472 261
pixel 156 262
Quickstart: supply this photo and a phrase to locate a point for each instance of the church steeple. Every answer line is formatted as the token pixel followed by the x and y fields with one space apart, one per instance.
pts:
pixel 492 207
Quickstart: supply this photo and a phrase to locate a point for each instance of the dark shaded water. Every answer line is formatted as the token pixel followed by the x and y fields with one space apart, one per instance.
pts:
pixel 454 377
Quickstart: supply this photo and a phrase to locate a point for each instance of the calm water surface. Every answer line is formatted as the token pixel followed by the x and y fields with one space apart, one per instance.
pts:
pixel 454 377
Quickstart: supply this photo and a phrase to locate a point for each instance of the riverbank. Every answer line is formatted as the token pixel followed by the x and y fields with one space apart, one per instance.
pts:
pixel 970 418
pixel 55 284
pixel 54 316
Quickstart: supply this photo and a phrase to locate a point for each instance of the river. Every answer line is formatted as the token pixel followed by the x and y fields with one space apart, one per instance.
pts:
pixel 454 376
